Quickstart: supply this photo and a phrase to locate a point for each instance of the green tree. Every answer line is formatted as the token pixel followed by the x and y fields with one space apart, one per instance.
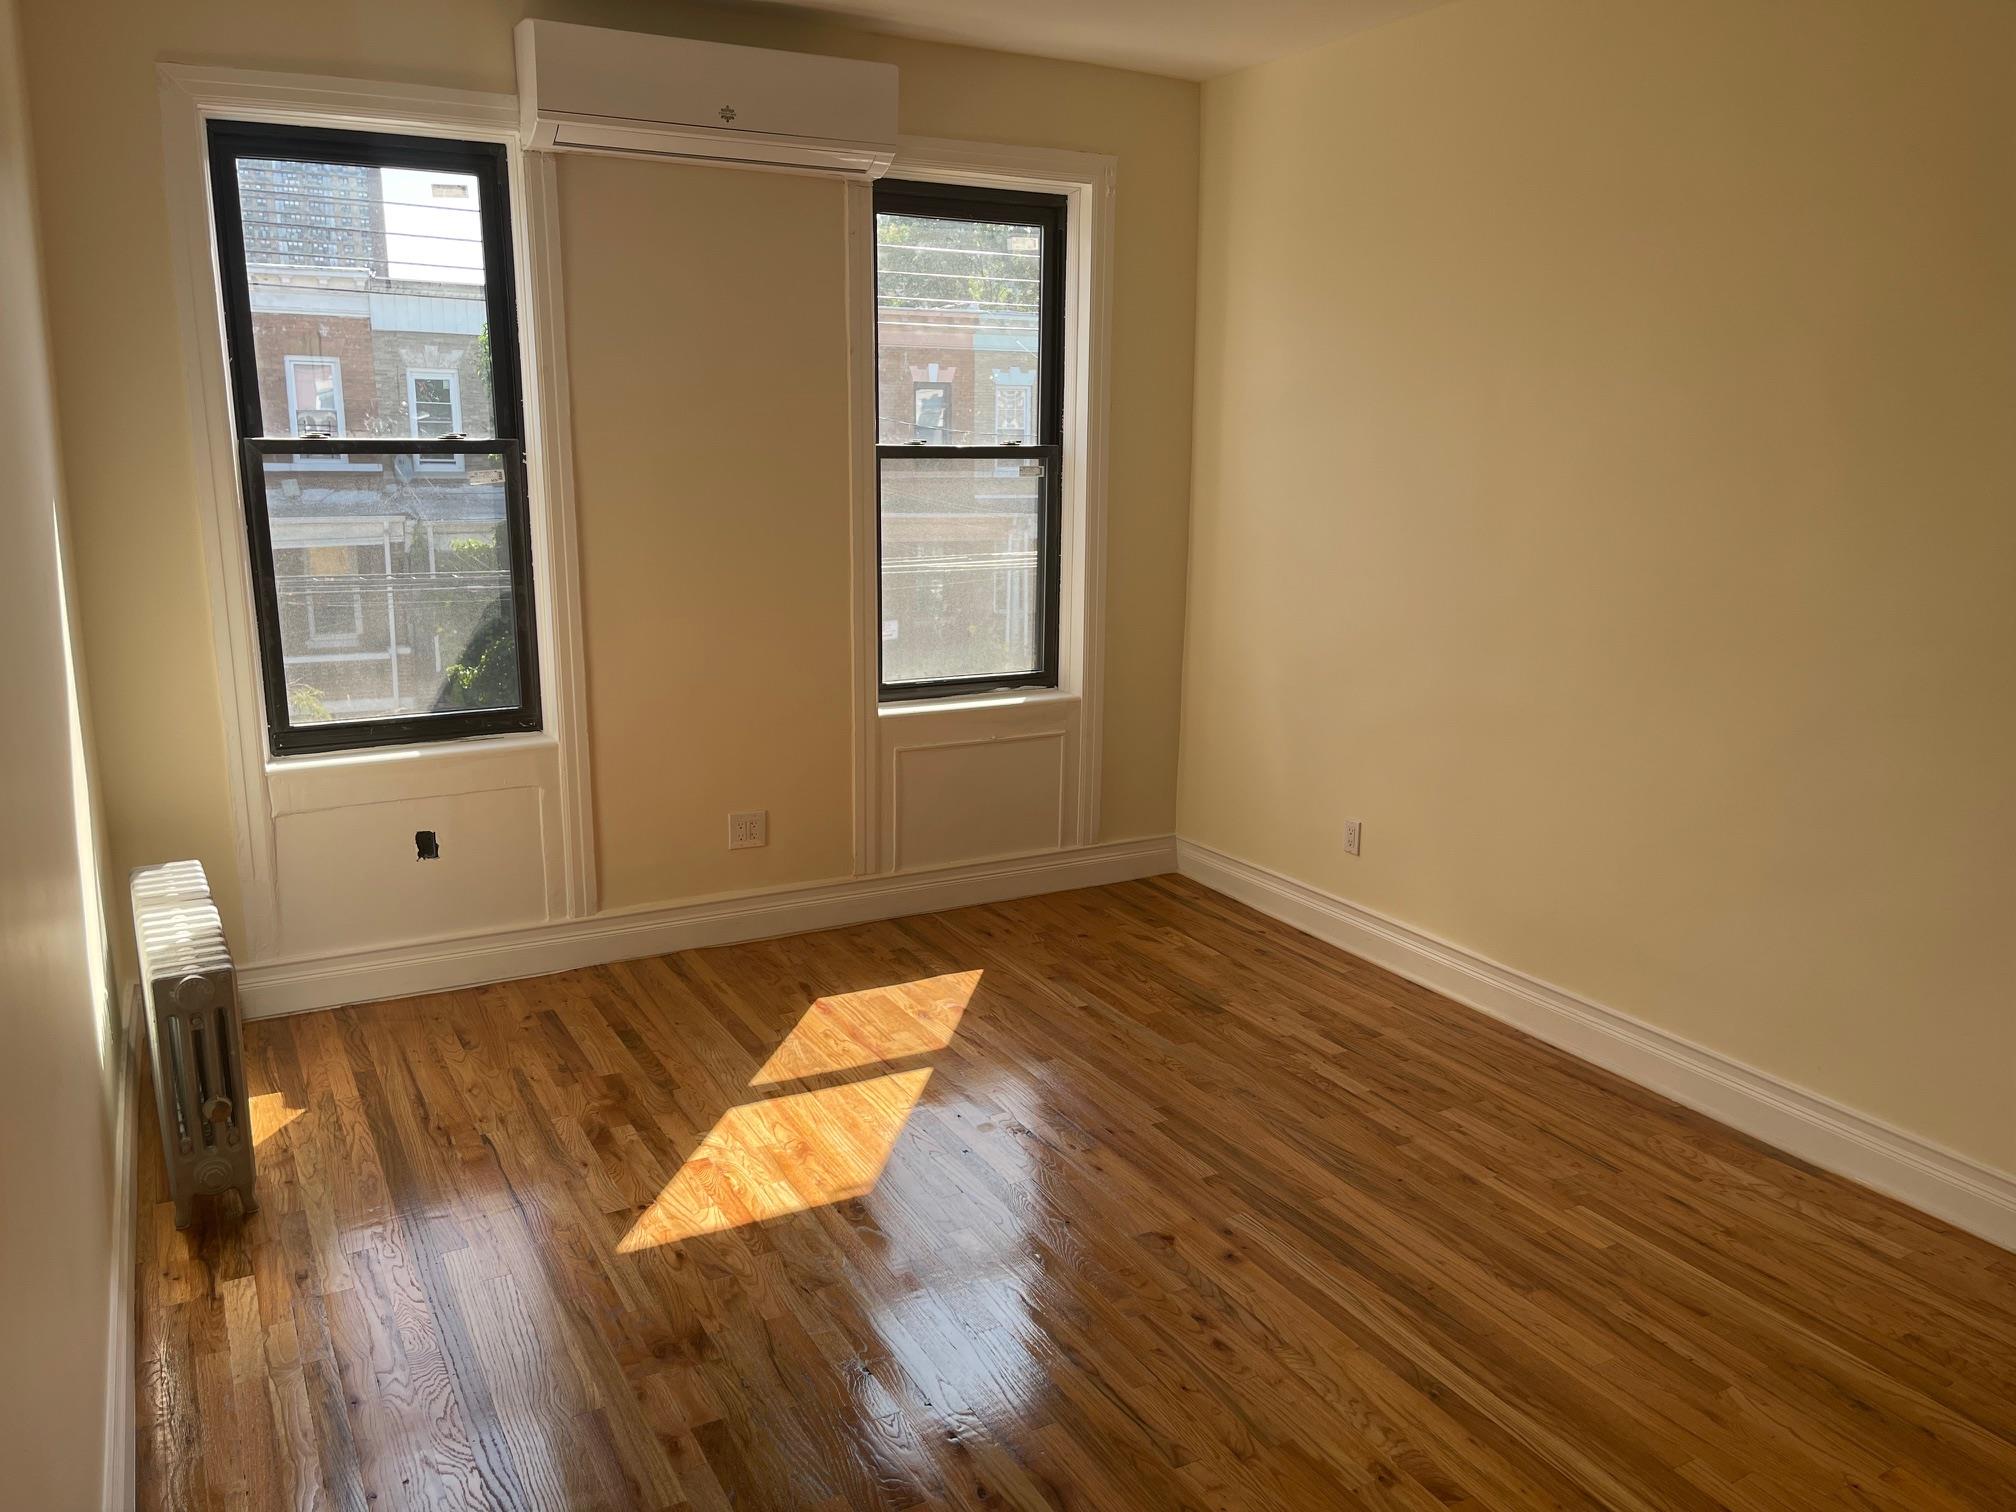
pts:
pixel 305 705
pixel 485 673
pixel 962 266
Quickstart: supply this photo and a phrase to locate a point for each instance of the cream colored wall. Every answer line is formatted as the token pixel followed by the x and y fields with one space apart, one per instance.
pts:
pixel 1606 450
pixel 715 522
pixel 120 371
pixel 57 1072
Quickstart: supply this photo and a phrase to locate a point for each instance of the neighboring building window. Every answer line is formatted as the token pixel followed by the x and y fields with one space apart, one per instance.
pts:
pixel 1014 406
pixel 394 604
pixel 931 404
pixel 315 404
pixel 336 618
pixel 315 396
pixel 335 610
pixel 434 404
pixel 969 281
pixel 1014 413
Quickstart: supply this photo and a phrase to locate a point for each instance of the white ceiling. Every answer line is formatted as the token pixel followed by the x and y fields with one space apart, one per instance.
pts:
pixel 1192 39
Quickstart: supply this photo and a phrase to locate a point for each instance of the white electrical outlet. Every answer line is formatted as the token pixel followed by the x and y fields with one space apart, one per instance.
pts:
pixel 1351 828
pixel 747 831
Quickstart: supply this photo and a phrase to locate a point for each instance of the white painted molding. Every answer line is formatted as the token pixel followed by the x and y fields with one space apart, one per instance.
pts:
pixel 121 1480
pixel 550 422
pixel 1095 293
pixel 1934 1180
pixel 1089 182
pixel 865 549
pixel 186 96
pixel 361 104
pixel 503 955
pixel 191 96
pixel 980 738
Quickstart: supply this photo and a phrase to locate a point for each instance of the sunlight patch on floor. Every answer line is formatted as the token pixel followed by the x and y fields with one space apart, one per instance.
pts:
pixel 270 1114
pixel 870 1028
pixel 781 1155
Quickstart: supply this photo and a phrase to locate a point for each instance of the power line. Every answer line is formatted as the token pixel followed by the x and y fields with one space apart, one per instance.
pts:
pixel 379 234
pixel 947 305
pixel 892 246
pixel 882 273
pixel 358 202
pixel 306 263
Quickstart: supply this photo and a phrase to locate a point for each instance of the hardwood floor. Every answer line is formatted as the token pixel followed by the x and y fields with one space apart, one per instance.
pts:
pixel 1125 1198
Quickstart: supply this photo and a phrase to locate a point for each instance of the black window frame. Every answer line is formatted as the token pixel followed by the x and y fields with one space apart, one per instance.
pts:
pixel 1022 207
pixel 488 164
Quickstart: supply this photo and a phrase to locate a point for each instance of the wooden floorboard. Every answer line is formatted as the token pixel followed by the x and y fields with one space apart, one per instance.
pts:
pixel 1123 1198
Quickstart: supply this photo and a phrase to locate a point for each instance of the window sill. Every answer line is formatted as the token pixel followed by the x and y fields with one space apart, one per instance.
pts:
pixel 1035 698
pixel 393 757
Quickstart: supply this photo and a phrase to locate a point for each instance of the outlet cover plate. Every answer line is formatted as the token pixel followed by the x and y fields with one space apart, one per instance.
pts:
pixel 747 831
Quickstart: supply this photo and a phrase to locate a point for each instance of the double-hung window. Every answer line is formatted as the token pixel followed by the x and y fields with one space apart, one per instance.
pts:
pixel 315 395
pixel 969 322
pixel 434 404
pixel 371 326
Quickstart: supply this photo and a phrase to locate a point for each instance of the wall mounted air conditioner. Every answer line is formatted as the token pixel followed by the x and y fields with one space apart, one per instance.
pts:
pixel 585 89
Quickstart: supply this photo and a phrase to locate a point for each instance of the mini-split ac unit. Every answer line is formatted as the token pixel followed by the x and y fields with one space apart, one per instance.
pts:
pixel 586 89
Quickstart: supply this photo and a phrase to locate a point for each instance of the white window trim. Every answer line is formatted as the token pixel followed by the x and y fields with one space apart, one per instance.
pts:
pixel 454 382
pixel 1088 180
pixel 261 786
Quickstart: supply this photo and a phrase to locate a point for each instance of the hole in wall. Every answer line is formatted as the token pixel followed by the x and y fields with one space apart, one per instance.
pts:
pixel 427 844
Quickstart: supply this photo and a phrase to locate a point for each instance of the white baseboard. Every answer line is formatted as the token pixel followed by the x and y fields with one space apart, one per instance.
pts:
pixel 537 950
pixel 1964 1192
pixel 121 1448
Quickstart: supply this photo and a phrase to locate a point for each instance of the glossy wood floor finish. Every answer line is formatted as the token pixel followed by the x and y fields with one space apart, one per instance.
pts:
pixel 1126 1198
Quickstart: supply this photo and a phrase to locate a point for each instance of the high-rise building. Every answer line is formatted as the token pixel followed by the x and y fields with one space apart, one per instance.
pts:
pixel 312 216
